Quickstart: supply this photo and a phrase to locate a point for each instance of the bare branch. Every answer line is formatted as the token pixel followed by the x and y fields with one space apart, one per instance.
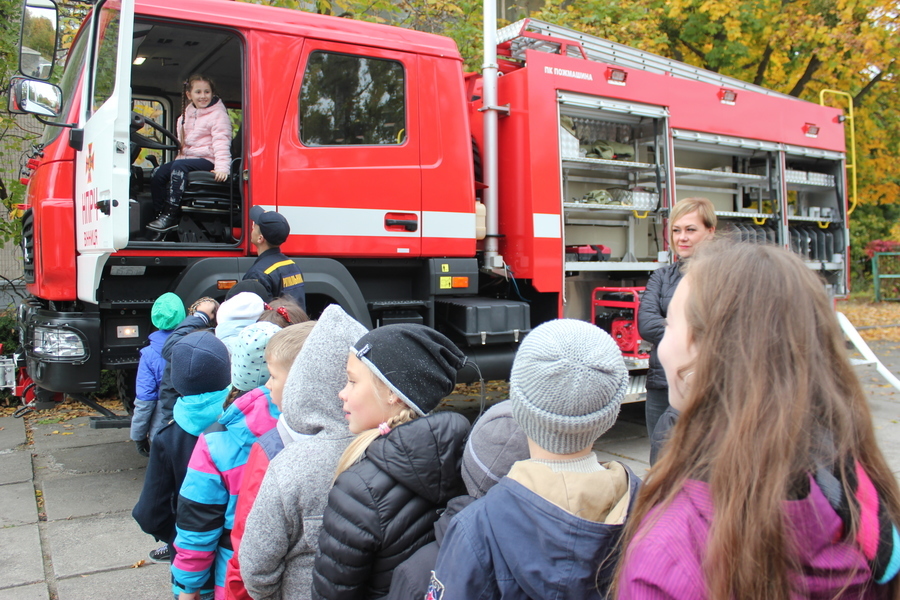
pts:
pixel 857 99
pixel 811 67
pixel 699 53
pixel 763 65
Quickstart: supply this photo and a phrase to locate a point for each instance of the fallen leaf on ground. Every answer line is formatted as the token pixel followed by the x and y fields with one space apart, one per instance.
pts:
pixel 138 564
pixel 873 314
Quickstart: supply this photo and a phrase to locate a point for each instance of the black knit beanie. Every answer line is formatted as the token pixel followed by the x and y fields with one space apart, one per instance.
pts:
pixel 416 362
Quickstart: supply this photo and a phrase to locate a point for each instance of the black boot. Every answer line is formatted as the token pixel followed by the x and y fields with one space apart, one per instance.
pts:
pixel 167 220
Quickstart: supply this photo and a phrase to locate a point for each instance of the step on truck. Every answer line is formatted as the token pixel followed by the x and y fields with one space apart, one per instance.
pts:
pixel 481 204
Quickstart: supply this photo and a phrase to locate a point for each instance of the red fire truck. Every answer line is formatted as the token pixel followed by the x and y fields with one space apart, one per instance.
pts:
pixel 478 204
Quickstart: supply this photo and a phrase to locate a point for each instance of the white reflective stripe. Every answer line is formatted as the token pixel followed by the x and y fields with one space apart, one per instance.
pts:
pixel 546 226
pixel 345 222
pixel 448 224
pixel 367 222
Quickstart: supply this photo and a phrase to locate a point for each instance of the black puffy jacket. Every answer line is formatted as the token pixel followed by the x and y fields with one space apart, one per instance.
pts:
pixel 652 317
pixel 382 509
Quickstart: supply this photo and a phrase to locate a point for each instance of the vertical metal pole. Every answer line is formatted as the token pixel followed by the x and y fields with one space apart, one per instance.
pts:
pixel 492 257
pixel 875 276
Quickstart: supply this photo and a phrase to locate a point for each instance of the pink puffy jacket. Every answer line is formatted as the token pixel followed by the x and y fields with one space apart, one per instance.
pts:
pixel 207 134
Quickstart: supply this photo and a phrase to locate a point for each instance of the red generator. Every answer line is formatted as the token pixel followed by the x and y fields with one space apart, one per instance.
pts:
pixel 616 311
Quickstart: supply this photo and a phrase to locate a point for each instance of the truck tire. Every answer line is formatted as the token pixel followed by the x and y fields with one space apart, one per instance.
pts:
pixel 125 388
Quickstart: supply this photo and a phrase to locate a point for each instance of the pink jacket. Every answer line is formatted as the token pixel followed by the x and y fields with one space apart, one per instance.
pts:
pixel 207 134
pixel 665 561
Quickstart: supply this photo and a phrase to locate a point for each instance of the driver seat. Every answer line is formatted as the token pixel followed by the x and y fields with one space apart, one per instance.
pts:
pixel 210 208
pixel 202 193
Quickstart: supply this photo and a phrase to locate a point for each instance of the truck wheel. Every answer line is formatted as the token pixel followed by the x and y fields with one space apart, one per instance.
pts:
pixel 125 388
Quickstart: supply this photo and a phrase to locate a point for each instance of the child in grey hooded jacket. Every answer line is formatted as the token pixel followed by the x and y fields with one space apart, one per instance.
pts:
pixel 280 541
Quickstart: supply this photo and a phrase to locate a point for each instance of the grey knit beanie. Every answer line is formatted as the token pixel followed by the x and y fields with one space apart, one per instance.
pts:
pixel 496 442
pixel 567 384
pixel 248 357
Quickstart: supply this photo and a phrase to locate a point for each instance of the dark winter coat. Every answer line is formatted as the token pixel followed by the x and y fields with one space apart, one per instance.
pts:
pixel 412 577
pixel 652 317
pixel 279 275
pixel 167 393
pixel 514 544
pixel 382 509
pixel 662 432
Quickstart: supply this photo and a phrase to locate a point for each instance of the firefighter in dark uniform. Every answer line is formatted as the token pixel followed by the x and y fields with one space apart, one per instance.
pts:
pixel 276 272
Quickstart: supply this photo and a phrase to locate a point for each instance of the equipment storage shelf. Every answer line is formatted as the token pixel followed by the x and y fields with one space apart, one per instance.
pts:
pixel 739 176
pixel 815 205
pixel 612 177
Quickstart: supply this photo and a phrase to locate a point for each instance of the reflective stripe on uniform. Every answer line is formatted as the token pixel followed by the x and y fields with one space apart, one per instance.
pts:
pixel 277 265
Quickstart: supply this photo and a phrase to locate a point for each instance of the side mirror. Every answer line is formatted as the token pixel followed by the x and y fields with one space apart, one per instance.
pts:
pixel 28 96
pixel 37 48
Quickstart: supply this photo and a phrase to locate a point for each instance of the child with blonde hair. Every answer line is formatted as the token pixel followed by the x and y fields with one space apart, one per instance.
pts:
pixel 398 474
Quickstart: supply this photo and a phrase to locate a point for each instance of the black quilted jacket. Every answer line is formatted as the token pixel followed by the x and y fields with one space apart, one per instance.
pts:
pixel 652 317
pixel 382 509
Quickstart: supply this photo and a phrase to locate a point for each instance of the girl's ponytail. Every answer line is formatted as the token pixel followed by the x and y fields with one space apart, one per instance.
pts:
pixel 360 443
pixel 185 87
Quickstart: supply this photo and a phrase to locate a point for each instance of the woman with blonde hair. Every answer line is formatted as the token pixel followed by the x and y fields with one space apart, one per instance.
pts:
pixel 692 222
pixel 772 485
pixel 395 478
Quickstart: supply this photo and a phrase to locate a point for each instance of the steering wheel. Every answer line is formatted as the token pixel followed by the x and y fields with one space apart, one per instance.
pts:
pixel 142 141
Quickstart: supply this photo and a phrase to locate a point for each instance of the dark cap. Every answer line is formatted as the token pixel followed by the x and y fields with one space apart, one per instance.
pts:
pixel 416 362
pixel 272 225
pixel 249 285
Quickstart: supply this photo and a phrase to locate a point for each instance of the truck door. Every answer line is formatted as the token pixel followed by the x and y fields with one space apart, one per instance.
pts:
pixel 103 166
pixel 349 174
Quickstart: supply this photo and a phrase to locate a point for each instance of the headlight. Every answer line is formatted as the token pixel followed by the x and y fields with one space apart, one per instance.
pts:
pixel 58 343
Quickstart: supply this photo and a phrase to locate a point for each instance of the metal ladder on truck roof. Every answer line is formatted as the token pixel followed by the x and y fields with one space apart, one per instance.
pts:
pixel 531 34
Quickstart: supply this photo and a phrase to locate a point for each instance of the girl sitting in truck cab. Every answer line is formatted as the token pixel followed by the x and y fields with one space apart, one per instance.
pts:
pixel 204 133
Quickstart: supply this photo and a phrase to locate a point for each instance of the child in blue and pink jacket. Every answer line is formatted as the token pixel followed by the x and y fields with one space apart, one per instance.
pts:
pixel 209 493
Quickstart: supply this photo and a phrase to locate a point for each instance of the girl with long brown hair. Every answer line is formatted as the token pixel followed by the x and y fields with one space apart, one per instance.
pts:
pixel 772 485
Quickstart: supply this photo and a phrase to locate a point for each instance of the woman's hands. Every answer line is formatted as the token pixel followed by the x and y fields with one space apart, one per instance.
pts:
pixel 220 175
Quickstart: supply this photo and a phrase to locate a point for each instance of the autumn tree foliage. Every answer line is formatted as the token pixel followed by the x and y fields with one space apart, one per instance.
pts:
pixel 798 47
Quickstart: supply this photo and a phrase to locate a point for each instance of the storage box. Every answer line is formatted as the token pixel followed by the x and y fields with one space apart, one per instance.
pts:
pixel 482 321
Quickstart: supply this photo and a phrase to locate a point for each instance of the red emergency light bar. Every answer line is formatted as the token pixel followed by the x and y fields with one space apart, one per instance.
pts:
pixel 728 97
pixel 616 76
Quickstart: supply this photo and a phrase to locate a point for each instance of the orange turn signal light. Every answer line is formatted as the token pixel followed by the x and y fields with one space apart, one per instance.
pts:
pixel 226 284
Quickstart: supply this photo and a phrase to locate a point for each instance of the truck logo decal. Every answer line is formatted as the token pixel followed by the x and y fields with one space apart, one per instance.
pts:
pixel 568 73
pixel 89 162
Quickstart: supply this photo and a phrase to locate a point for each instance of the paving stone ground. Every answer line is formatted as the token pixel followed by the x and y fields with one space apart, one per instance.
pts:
pixel 80 542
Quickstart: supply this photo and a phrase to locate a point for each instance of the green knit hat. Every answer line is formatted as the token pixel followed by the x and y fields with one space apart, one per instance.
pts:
pixel 168 312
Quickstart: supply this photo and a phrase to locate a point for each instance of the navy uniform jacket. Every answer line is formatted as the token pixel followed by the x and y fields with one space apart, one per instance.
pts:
pixel 279 275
